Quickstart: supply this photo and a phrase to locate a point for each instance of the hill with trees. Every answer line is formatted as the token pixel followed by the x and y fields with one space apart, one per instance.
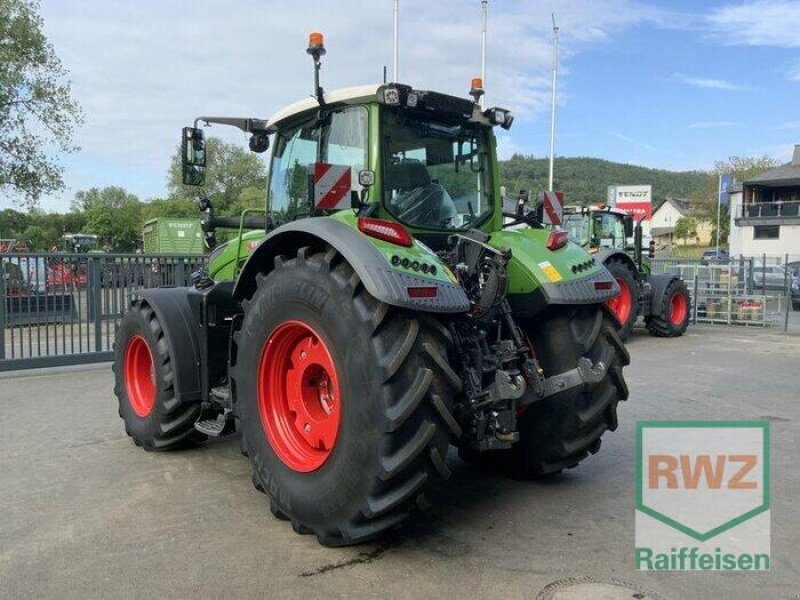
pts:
pixel 585 180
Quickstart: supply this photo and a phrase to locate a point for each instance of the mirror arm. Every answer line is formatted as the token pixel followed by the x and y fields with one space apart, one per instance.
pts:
pixel 246 125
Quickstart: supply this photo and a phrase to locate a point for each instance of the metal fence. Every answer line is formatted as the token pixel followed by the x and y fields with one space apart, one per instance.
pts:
pixel 744 291
pixel 61 309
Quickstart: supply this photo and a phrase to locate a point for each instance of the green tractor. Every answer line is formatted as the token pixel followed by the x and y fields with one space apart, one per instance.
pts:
pixel 376 313
pixel 663 299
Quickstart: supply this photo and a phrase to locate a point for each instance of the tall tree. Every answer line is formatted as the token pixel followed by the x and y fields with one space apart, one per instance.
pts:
pixel 37 111
pixel 705 197
pixel 230 170
pixel 113 214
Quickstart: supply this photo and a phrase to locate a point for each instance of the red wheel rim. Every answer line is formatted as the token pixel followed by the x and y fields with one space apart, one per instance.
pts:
pixel 298 396
pixel 678 308
pixel 140 376
pixel 621 305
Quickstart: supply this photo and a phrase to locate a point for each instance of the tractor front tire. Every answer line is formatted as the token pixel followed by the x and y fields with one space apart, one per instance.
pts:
pixel 626 305
pixel 560 431
pixel 671 317
pixel 344 402
pixel 144 385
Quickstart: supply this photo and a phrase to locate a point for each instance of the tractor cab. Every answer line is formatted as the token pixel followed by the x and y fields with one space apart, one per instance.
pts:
pixel 599 227
pixel 79 243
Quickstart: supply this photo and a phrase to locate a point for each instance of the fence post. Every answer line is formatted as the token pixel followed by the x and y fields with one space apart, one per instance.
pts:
pixel 694 296
pixel 94 299
pixel 2 311
pixel 787 290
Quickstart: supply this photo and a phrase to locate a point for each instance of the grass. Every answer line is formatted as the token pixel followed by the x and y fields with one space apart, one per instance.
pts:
pixel 690 251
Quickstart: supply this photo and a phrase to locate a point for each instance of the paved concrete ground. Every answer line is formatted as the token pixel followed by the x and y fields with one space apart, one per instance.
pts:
pixel 85 514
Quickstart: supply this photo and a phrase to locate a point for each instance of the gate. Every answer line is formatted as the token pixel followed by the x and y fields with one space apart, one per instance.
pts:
pixel 64 309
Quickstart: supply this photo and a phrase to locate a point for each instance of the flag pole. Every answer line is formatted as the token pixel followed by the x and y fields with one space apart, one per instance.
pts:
pixel 719 210
pixel 553 107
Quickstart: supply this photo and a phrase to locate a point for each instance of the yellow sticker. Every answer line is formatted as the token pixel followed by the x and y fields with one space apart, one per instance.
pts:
pixel 549 270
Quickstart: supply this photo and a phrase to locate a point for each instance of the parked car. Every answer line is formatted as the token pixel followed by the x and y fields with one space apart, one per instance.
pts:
pixel 794 267
pixel 796 293
pixel 770 277
pixel 716 254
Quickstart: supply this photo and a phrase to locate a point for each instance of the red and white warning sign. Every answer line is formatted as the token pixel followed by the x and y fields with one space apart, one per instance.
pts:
pixel 331 186
pixel 553 203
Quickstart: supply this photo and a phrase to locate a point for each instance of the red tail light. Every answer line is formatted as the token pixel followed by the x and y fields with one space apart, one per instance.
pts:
pixel 603 285
pixel 422 292
pixel 557 239
pixel 385 230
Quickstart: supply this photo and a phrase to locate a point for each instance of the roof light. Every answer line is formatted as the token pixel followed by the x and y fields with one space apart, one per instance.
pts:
pixel 385 230
pixel 391 96
pixel 476 89
pixel 422 292
pixel 499 116
pixel 316 43
pixel 558 239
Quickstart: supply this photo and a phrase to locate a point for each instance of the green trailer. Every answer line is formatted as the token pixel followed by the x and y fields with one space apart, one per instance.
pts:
pixel 172 236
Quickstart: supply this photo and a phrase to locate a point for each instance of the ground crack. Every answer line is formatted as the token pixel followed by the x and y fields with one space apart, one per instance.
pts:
pixel 362 558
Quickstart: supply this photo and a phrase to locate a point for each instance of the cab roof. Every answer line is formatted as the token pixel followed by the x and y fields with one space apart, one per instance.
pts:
pixel 352 95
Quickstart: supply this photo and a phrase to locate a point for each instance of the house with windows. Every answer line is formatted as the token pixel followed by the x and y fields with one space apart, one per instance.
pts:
pixel 662 224
pixel 765 212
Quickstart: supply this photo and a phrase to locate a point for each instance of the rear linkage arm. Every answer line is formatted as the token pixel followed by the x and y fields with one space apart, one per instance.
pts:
pixel 500 376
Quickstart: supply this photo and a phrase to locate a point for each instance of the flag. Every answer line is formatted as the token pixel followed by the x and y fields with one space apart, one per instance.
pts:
pixel 725 182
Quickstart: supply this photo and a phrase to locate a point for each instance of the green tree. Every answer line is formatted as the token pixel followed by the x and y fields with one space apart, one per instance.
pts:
pixel 685 228
pixel 706 196
pixel 36 109
pixel 113 214
pixel 38 237
pixel 230 170
pixel 170 207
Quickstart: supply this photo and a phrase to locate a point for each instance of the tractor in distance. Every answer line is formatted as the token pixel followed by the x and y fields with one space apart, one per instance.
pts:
pixel 374 314
pixel 662 299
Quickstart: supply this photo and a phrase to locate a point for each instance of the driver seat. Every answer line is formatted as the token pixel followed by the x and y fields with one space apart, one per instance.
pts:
pixel 407 175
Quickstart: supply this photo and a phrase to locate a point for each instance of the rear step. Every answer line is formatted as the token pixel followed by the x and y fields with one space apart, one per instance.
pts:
pixel 215 424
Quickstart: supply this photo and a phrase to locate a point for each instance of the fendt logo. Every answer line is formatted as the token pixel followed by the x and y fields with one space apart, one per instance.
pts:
pixel 702 495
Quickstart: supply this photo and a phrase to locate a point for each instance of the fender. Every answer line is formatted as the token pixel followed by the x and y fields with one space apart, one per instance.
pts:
pixel 658 285
pixel 173 310
pixel 604 254
pixel 379 278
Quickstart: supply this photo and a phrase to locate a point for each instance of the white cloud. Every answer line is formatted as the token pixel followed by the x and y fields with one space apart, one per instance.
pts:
pixel 630 140
pixel 793 72
pixel 774 23
pixel 142 70
pixel 706 82
pixel 789 125
pixel 714 124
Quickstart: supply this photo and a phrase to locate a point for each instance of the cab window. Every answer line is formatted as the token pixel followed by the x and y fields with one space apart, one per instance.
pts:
pixel 340 139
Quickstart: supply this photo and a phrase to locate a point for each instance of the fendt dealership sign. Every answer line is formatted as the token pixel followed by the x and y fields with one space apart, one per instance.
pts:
pixel 635 199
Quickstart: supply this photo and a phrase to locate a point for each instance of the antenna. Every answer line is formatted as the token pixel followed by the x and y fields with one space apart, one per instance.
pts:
pixel 395 73
pixel 484 21
pixel 553 108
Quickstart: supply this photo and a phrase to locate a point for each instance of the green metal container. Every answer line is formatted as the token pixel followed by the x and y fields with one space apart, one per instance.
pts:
pixel 172 236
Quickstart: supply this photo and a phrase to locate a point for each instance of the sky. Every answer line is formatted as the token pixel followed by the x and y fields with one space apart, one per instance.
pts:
pixel 675 85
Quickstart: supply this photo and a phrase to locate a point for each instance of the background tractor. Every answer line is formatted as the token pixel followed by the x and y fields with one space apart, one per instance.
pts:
pixel 663 300
pixel 374 314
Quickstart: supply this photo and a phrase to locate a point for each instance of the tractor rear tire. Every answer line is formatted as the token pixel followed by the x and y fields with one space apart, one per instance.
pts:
pixel 144 385
pixel 348 458
pixel 625 306
pixel 560 431
pixel 672 316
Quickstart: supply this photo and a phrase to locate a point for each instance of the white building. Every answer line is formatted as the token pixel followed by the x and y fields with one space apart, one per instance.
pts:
pixel 765 212
pixel 662 225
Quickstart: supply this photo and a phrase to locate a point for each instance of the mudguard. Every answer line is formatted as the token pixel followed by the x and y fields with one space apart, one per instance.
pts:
pixel 604 254
pixel 658 285
pixel 383 281
pixel 173 310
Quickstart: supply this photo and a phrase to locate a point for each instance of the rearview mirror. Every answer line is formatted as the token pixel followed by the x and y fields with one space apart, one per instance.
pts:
pixel 628 222
pixel 193 156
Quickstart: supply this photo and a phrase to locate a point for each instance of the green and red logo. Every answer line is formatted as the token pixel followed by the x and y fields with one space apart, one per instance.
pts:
pixel 703 495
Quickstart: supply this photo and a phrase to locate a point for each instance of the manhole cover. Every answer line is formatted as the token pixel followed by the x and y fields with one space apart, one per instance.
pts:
pixel 593 588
